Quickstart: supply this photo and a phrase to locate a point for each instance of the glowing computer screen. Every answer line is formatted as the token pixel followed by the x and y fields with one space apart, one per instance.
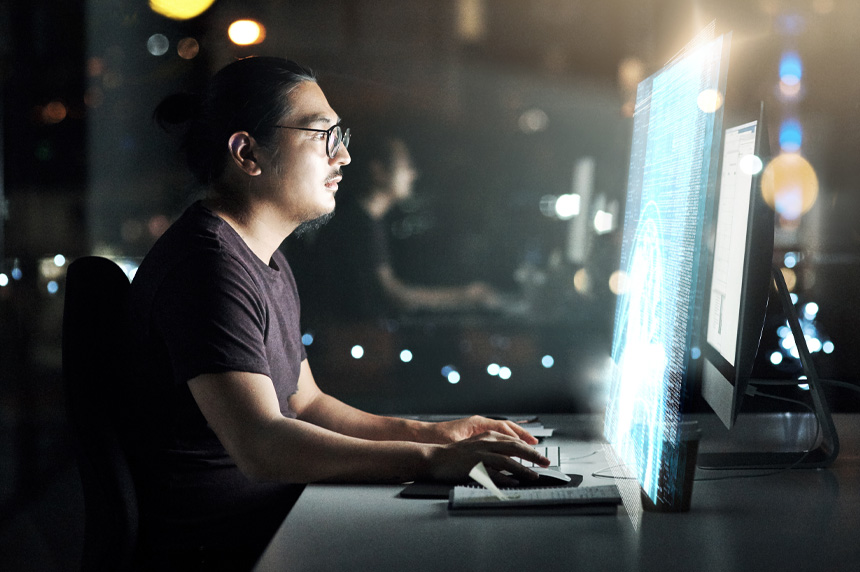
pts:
pixel 731 238
pixel 677 125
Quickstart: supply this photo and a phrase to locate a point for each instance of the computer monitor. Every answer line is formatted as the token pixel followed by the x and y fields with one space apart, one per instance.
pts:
pixel 677 125
pixel 740 276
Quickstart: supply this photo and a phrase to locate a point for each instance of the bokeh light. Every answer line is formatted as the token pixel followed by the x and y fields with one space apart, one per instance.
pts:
pixel 246 32
pixel 567 206
pixel 157 44
pixel 357 352
pixel 750 165
pixel 581 280
pixel 187 48
pixel 180 9
pixel 790 69
pixel 406 356
pixel 53 112
pixel 790 279
pixel 790 136
pixel 789 185
pixel 710 100
pixel 618 282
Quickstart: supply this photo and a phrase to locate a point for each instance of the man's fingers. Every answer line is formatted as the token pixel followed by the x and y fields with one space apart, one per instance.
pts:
pixel 521 433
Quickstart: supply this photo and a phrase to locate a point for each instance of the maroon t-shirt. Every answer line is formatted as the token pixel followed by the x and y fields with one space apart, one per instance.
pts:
pixel 203 302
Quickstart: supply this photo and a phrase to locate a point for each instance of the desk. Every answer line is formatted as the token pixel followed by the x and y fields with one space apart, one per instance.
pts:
pixel 797 520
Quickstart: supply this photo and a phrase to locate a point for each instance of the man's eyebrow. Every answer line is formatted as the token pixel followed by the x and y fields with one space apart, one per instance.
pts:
pixel 314 119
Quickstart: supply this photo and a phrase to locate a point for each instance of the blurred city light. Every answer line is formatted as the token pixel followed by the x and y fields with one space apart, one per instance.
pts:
pixel 53 287
pixel 776 358
pixel 618 282
pixel 453 377
pixel 4 280
pixel 59 260
pixel 750 164
pixel 406 356
pixel 581 281
pixel 180 9
pixel 789 185
pixel 505 373
pixel 357 352
pixel 790 136
pixel 533 120
pixel 789 260
pixel 790 279
pixel 710 100
pixel 827 347
pixel 157 44
pixel 493 369
pixel 567 206
pixel 790 68
pixel 603 222
pixel 547 361
pixel 53 112
pixel 810 310
pixel 307 339
pixel 187 48
pixel 246 32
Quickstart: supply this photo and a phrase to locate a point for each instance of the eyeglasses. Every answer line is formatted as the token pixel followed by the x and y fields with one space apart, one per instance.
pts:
pixel 335 135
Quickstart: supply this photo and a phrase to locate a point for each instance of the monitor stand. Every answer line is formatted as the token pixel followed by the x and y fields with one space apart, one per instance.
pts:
pixel 827 447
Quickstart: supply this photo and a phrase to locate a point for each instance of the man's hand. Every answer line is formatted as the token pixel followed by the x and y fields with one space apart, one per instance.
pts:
pixel 460 429
pixel 452 462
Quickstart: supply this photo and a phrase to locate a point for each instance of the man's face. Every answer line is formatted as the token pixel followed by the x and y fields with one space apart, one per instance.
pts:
pixel 304 179
pixel 403 172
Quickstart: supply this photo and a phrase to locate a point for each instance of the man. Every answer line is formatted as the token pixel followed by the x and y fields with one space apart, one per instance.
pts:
pixel 226 416
pixel 360 283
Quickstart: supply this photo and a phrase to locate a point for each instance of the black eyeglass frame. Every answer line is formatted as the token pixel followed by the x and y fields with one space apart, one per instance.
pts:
pixel 330 150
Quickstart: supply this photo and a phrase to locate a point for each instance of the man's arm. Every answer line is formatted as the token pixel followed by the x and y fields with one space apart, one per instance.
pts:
pixel 314 406
pixel 412 297
pixel 242 408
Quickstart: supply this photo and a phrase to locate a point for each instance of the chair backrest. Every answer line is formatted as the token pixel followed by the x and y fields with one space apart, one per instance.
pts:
pixel 94 362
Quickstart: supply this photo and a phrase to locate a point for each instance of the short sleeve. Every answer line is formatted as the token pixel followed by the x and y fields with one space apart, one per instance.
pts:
pixel 212 318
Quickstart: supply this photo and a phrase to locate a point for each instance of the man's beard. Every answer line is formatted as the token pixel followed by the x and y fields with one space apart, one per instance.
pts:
pixel 313 225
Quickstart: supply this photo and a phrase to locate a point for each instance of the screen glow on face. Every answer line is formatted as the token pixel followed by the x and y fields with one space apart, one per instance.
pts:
pixel 670 168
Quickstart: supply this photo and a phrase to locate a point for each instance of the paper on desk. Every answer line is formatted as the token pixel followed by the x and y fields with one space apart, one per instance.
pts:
pixel 539 431
pixel 480 474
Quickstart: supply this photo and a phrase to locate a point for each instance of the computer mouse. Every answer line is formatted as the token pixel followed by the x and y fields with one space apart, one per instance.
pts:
pixel 547 476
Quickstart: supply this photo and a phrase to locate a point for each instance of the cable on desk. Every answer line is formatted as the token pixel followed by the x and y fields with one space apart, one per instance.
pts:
pixel 753 392
pixel 756 393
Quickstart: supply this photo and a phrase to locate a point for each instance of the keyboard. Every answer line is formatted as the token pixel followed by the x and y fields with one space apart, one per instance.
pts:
pixel 550 452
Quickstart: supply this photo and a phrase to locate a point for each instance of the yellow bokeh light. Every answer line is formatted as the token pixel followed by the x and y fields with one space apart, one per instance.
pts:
pixel 581 280
pixel 246 32
pixel 789 185
pixel 618 282
pixel 790 278
pixel 180 9
pixel 710 100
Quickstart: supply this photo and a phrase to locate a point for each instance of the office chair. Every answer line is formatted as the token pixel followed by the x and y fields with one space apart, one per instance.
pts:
pixel 94 319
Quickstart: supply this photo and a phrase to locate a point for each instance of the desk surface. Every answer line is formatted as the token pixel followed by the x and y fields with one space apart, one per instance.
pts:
pixel 794 520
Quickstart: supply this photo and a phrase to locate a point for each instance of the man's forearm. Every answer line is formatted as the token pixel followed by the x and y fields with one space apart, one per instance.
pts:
pixel 295 451
pixel 331 413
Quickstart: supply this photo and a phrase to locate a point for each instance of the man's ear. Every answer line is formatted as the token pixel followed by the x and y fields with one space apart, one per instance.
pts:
pixel 243 151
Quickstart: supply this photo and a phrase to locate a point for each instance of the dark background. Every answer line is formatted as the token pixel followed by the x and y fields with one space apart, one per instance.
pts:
pixel 99 178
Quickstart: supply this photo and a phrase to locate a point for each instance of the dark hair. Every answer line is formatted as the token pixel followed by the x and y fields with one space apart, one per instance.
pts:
pixel 251 94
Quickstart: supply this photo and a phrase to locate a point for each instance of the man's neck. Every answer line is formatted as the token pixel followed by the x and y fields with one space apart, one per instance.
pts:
pixel 262 230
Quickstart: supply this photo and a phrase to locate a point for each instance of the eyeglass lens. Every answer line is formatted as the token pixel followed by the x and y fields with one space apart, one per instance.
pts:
pixel 335 138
